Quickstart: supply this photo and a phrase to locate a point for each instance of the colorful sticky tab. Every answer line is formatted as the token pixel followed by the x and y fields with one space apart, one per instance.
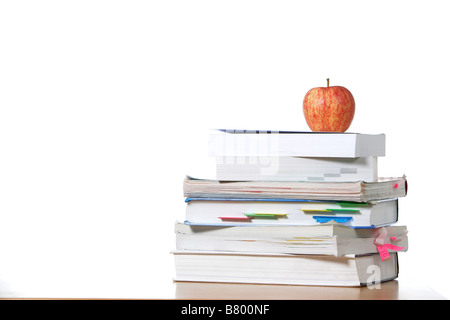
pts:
pixel 393 247
pixel 384 250
pixel 242 219
pixel 384 253
pixel 330 211
pixel 325 211
pixel 348 204
pixel 265 215
pixel 322 219
pixel 344 210
pixel 261 216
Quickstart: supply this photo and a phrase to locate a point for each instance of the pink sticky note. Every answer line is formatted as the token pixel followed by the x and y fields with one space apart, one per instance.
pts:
pixel 393 247
pixel 384 253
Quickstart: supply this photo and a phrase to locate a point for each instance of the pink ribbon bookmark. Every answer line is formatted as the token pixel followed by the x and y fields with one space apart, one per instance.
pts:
pixel 401 238
pixel 382 247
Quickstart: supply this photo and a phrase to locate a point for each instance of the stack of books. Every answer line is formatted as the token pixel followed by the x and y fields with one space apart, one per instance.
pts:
pixel 298 208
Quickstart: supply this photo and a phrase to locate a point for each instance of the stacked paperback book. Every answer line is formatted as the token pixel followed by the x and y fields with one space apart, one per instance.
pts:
pixel 299 208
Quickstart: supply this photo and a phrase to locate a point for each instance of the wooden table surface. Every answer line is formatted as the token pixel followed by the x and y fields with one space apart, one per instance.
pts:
pixel 391 290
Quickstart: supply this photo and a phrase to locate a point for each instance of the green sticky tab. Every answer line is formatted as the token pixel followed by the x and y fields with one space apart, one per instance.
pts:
pixel 262 215
pixel 344 210
pixel 348 204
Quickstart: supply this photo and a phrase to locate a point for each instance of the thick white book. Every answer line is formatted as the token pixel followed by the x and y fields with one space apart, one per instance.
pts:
pixel 357 191
pixel 232 267
pixel 259 143
pixel 325 239
pixel 296 169
pixel 263 212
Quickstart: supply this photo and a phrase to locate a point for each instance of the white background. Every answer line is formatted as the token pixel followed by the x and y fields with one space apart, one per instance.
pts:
pixel 105 106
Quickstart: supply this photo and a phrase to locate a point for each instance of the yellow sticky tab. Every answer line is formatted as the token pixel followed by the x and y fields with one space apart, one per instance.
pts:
pixel 316 211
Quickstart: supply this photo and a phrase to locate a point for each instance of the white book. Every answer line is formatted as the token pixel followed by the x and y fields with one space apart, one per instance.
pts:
pixel 357 191
pixel 325 239
pixel 231 267
pixel 264 212
pixel 296 169
pixel 260 143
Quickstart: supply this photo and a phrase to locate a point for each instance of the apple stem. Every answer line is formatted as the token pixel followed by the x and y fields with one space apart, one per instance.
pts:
pixel 328 82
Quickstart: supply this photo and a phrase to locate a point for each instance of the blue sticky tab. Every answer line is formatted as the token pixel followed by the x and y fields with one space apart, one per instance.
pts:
pixel 323 219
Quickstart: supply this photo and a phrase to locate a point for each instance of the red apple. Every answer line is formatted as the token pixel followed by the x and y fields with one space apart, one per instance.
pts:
pixel 329 109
